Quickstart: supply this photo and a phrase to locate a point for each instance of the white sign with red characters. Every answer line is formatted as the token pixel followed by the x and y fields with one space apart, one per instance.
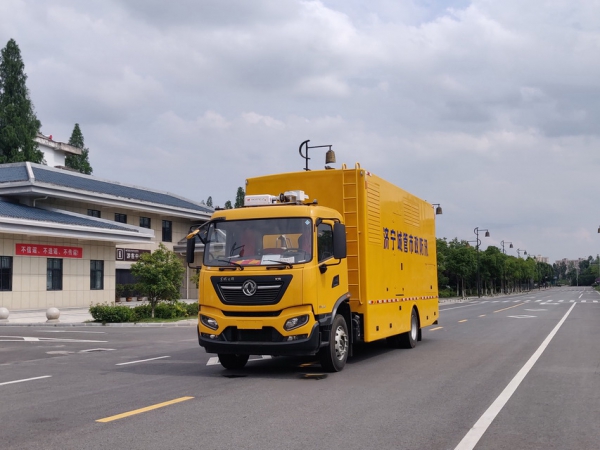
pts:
pixel 52 251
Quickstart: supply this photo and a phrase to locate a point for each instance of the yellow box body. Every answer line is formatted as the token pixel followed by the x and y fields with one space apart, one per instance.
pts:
pixel 391 255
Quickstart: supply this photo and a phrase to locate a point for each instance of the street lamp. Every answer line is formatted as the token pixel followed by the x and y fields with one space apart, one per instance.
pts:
pixel 329 156
pixel 519 252
pixel 438 210
pixel 511 246
pixel 487 234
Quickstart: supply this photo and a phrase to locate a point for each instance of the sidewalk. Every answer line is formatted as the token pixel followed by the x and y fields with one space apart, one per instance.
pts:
pixel 79 317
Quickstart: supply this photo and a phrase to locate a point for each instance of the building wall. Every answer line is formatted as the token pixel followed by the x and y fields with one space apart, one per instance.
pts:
pixel 30 274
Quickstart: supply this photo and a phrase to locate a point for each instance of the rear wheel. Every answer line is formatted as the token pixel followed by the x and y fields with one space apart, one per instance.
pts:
pixel 333 357
pixel 233 362
pixel 408 339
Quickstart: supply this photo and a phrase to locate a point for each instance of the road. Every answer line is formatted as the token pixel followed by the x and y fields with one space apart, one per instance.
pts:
pixel 514 372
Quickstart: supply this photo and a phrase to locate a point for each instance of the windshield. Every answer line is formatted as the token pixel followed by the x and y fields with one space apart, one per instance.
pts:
pixel 259 242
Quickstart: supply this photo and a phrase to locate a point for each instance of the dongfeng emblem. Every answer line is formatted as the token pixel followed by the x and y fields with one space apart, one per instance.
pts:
pixel 249 288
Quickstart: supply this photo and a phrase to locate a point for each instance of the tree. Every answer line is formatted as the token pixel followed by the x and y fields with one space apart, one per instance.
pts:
pixel 239 197
pixel 18 122
pixel 81 162
pixel 159 274
pixel 209 201
pixel 228 204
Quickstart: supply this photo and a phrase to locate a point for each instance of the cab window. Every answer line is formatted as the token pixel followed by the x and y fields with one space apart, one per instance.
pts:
pixel 324 241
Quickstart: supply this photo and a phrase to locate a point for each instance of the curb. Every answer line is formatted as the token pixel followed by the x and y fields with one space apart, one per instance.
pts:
pixel 93 324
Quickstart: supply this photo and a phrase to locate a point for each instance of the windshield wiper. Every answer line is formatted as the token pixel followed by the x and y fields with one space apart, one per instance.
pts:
pixel 280 264
pixel 236 265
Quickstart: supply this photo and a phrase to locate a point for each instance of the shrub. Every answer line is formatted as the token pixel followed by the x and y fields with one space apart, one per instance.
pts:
pixel 192 309
pixel 445 293
pixel 106 313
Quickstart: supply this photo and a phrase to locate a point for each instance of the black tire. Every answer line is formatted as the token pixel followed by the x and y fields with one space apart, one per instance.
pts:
pixel 410 338
pixel 233 362
pixel 334 356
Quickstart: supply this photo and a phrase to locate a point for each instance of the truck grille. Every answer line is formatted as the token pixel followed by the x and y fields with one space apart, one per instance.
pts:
pixel 259 290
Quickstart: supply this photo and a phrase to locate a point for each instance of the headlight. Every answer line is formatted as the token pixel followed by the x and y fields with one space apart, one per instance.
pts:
pixel 209 322
pixel 296 322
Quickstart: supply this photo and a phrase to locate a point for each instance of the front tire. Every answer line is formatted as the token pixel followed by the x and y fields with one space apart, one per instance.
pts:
pixel 233 362
pixel 334 356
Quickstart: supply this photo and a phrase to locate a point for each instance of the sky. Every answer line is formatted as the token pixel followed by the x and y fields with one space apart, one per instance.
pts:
pixel 488 108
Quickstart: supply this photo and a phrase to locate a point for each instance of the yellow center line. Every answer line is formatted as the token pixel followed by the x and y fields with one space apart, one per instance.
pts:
pixel 141 410
pixel 520 304
pixel 461 321
pixel 436 328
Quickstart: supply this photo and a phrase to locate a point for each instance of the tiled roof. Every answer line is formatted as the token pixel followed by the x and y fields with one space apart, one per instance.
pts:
pixel 11 172
pixel 17 211
pixel 88 183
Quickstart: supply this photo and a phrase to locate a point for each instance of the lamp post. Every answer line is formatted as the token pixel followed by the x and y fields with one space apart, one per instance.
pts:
pixel 438 210
pixel 502 242
pixel 503 271
pixel 329 156
pixel 487 234
pixel 519 252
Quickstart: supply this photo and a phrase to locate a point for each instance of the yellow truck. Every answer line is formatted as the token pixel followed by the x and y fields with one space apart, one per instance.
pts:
pixel 314 263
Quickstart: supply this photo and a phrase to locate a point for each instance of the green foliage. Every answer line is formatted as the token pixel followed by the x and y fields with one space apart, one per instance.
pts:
pixel 18 122
pixel 457 270
pixel 159 274
pixel 228 204
pixel 81 162
pixel 209 201
pixel 105 313
pixel 239 197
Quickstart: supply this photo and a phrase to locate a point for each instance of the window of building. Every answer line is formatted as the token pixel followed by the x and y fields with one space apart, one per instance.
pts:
pixel 122 218
pixel 54 274
pixel 96 274
pixel 5 273
pixel 167 231
pixel 94 213
pixel 145 222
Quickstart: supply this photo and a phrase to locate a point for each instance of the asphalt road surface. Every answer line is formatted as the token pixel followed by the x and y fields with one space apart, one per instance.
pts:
pixel 515 372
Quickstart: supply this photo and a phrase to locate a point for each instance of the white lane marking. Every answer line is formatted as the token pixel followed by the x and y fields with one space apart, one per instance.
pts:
pixel 571 301
pixel 538 301
pixel 25 379
pixel 560 301
pixel 480 427
pixel 67 331
pixel 581 295
pixel 96 350
pixel 41 339
pixel 522 316
pixel 595 301
pixel 214 360
pixel 454 307
pixel 583 301
pixel 141 360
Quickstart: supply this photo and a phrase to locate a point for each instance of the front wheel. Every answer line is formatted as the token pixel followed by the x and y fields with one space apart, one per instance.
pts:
pixel 333 357
pixel 233 362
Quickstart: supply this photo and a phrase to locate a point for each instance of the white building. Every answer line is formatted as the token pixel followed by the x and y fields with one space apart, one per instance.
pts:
pixel 67 239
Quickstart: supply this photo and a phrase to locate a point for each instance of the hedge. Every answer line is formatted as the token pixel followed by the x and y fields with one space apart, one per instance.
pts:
pixel 106 313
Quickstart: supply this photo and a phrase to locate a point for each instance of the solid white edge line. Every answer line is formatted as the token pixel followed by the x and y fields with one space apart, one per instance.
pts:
pixel 26 379
pixel 480 427
pixel 141 360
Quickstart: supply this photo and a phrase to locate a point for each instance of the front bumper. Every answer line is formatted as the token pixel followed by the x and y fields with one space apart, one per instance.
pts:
pixel 308 346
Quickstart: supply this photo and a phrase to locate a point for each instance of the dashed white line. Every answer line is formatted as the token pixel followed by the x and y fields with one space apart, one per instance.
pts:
pixel 141 360
pixel 26 379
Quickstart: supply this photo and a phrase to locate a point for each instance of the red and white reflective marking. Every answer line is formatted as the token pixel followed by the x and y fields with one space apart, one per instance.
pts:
pixel 397 300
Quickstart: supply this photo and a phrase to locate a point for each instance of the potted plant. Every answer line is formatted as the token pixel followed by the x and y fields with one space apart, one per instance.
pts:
pixel 128 292
pixel 119 292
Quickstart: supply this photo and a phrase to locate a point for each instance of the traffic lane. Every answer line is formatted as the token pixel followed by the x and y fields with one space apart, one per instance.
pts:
pixel 558 403
pixel 18 344
pixel 502 344
pixel 404 398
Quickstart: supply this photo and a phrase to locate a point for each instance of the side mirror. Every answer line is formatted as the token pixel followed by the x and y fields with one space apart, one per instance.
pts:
pixel 191 247
pixel 339 241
